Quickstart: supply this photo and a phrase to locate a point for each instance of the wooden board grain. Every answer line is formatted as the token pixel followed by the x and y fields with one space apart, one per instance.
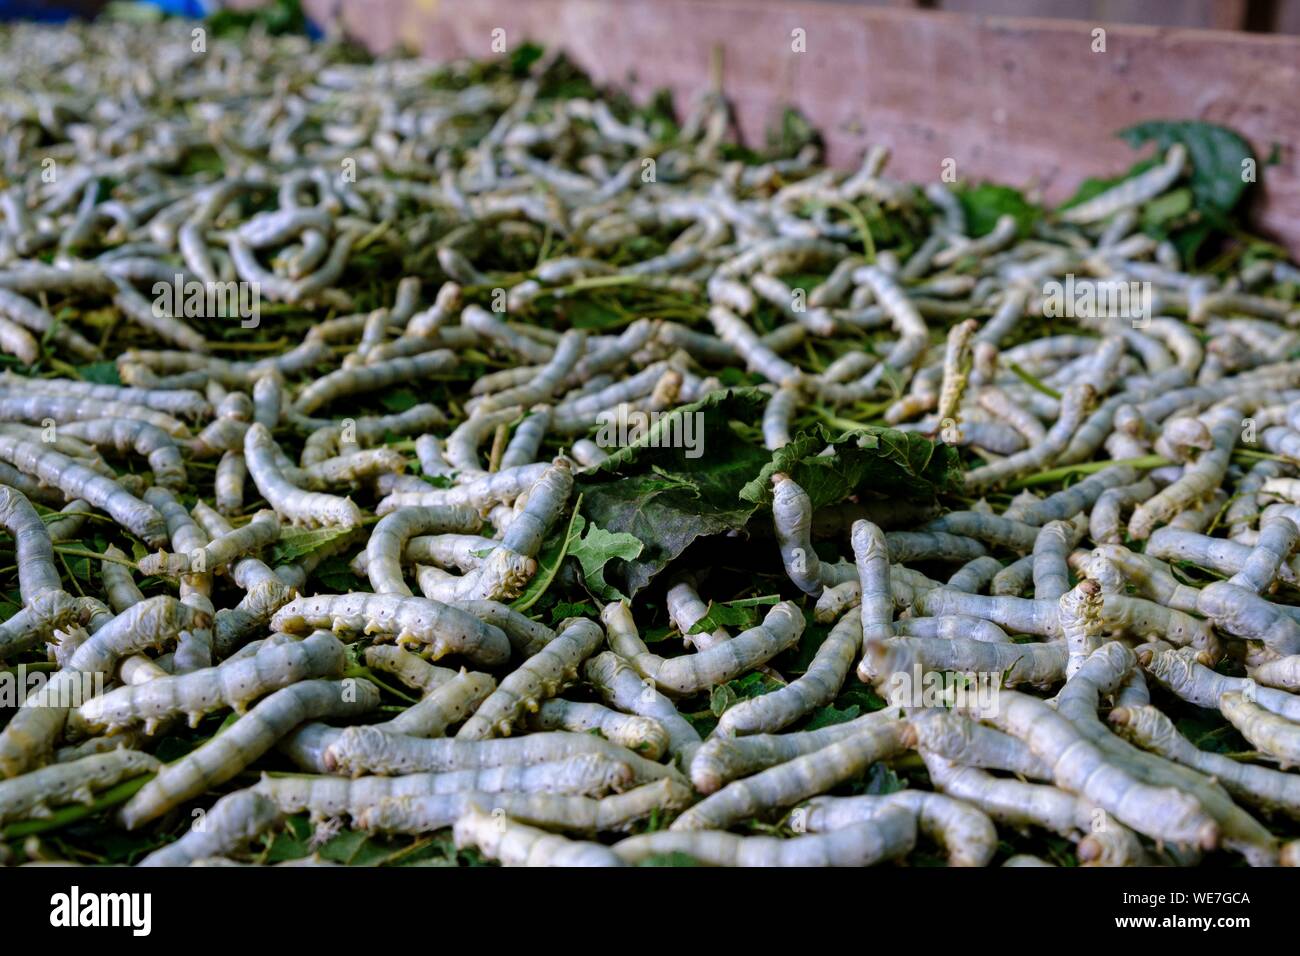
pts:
pixel 1022 101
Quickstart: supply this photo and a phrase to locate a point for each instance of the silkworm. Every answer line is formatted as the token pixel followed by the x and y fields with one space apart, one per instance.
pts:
pixel 971 744
pixel 232 822
pixel 390 536
pixel 224 756
pixel 32 732
pixel 138 437
pixel 789 783
pixel 686 675
pixel 480 492
pixel 888 835
pixel 234 683
pixel 515 844
pixel 361 749
pixel 539 677
pixel 228 483
pixel 78 481
pixel 407 620
pixel 1079 767
pixel 309 508
pixel 1274 735
pixel 413 671
pixel 964 831
pixel 32 795
pixel 644 735
pixel 1131 192
pixel 33 550
pixel 326 797
pixel 1264 787
pixel 817 687
pixel 1016 663
pixel 1074 406
pixel 263 529
pixel 1180 672
pixel 444 706
pixel 622 687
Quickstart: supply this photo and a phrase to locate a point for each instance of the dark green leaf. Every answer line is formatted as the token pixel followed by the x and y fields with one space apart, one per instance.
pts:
pixel 830 714
pixel 1216 153
pixel 986 203
pixel 741 614
pixel 595 549
pixel 296 542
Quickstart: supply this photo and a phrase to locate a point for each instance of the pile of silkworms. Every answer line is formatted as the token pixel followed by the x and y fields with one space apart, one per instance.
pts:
pixel 184 492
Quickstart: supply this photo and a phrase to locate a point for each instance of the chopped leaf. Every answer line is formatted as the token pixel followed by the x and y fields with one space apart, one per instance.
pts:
pixel 596 548
pixel 1216 154
pixel 732 614
pixel 830 714
pixel 296 542
pixel 399 399
pixel 554 551
pixel 702 470
pixel 101 373
pixel 986 203
pixel 881 779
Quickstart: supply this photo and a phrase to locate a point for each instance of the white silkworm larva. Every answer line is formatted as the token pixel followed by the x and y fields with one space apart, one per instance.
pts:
pixel 225 755
pixel 408 620
pixel 643 735
pixel 119 587
pixel 262 530
pixel 313 509
pixel 32 795
pixel 78 481
pixel 968 743
pixel 549 810
pixel 622 687
pixel 137 437
pixel 890 834
pixel 1180 672
pixel 818 686
pixel 482 491
pixel 515 844
pixel 444 706
pixel 691 673
pixel 389 538
pixel 33 550
pixel 541 676
pixel 415 672
pixel 326 797
pixel 964 831
pixel 228 484
pixel 1152 730
pixel 1274 735
pixel 360 749
pixel 1131 192
pixel 892 661
pixel 232 822
pixel 1080 768
pixel 876 601
pixel 806 776
pixel 233 683
pixel 33 730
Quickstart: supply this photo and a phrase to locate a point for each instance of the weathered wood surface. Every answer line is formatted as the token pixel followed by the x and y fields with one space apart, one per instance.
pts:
pixel 1014 100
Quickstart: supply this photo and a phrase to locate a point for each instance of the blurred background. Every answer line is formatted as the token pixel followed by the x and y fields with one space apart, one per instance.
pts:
pixel 1255 16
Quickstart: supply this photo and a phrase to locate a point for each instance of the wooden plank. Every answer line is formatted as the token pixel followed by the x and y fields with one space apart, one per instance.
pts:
pixel 1021 101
